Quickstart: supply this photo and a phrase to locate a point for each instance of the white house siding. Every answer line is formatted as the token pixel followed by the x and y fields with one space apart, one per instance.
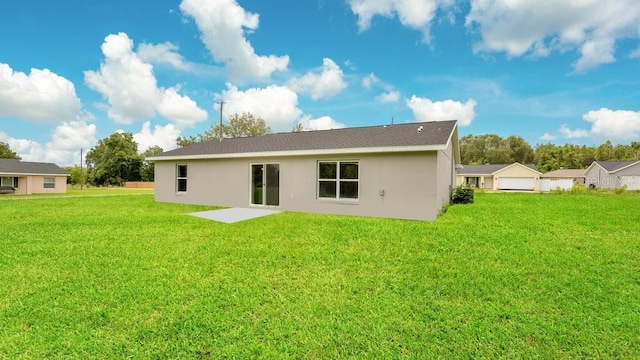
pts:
pixel 408 183
pixel 631 182
pixel 556 184
pixel 600 178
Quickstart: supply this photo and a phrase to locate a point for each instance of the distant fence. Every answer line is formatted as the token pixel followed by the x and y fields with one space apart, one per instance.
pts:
pixel 139 185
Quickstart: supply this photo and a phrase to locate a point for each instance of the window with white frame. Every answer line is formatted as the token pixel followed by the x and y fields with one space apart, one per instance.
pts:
pixel 338 180
pixel 181 178
pixel 9 181
pixel 49 182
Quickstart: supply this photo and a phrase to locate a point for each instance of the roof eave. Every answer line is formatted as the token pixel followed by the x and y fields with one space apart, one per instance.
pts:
pixel 367 150
pixel 514 164
pixel 30 174
pixel 625 167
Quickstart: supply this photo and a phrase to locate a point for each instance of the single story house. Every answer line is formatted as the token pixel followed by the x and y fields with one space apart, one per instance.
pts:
pixel 514 176
pixel 404 171
pixel 25 177
pixel 613 174
pixel 562 179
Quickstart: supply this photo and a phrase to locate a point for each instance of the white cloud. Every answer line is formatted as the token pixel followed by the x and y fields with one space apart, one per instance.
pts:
pixel 414 14
pixel 222 24
pixel 547 137
pixel 369 80
pixel 567 133
pixel 67 140
pixel 635 54
pixel 389 97
pixel 614 125
pixel 350 65
pixel 165 53
pixel 538 27
pixel 329 82
pixel 28 150
pixel 321 123
pixel 181 109
pixel 277 105
pixel 163 136
pixel 130 87
pixel 64 148
pixel 126 81
pixel 426 110
pixel 41 96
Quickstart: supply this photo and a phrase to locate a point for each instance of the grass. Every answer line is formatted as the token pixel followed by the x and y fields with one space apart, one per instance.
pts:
pixel 75 191
pixel 512 275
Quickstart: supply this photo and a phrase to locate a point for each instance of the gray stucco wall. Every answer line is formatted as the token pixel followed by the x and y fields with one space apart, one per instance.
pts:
pixel 446 176
pixel 412 190
pixel 601 179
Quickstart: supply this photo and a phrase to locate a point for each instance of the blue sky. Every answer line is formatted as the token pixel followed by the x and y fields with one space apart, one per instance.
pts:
pixel 74 72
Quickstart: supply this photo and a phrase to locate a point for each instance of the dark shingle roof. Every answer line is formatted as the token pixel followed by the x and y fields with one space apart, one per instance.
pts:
pixel 611 166
pixel 13 166
pixel 399 135
pixel 481 169
pixel 487 169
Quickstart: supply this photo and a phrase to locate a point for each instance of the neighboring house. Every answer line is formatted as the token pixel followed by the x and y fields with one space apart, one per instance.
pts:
pixel 613 174
pixel 32 177
pixel 401 171
pixel 562 179
pixel 500 176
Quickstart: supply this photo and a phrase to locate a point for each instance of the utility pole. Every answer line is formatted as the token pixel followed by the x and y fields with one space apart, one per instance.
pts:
pixel 221 102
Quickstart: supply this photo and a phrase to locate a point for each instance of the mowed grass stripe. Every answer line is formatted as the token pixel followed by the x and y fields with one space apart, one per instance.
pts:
pixel 512 275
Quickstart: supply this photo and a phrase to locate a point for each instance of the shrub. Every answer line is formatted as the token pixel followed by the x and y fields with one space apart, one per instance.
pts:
pixel 620 190
pixel 578 189
pixel 462 195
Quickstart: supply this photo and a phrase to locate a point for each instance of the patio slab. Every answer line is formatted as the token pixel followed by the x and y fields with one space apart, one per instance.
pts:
pixel 232 215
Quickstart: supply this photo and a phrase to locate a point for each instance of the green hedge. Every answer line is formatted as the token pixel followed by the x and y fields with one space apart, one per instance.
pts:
pixel 462 195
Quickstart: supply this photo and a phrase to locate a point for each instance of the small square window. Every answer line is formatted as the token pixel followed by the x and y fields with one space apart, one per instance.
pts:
pixel 49 182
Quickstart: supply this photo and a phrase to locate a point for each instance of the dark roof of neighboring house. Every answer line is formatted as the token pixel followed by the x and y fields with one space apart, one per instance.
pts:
pixel 357 139
pixel 17 167
pixel 611 166
pixel 488 169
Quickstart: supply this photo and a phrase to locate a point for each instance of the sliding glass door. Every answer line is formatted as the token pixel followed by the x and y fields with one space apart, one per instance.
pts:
pixel 265 184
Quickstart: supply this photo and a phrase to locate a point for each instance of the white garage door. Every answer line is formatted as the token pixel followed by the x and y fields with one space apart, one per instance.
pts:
pixel 632 182
pixel 515 183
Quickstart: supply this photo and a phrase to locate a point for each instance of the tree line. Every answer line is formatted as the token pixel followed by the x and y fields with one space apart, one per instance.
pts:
pixel 493 149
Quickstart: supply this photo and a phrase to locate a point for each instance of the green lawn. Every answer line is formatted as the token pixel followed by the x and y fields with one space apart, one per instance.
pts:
pixel 512 275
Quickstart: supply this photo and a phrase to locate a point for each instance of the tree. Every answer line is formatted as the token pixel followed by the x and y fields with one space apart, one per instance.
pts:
pixel 604 152
pixel 519 150
pixel 78 175
pixel 298 128
pixel 114 160
pixel 148 167
pixel 7 153
pixel 245 125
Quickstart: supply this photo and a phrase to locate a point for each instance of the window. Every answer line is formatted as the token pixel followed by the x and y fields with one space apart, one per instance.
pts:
pixel 9 181
pixel 49 182
pixel 338 179
pixel 181 178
